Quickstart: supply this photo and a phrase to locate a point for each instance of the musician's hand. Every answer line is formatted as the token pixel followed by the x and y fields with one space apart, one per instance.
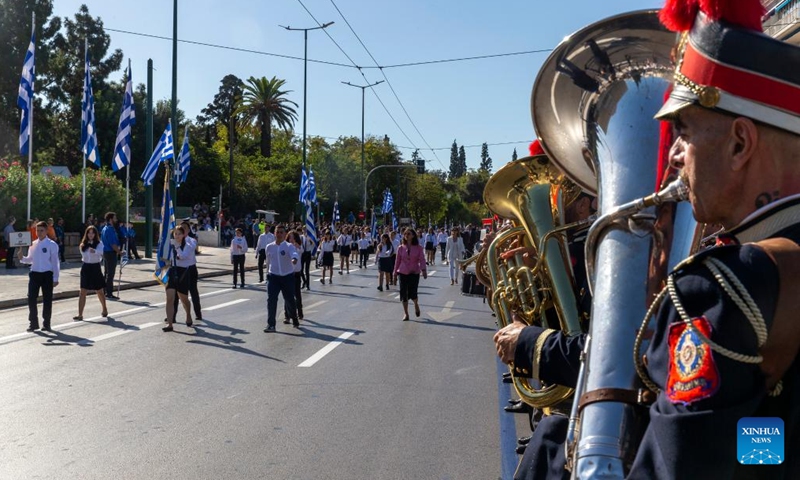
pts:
pixel 505 340
pixel 528 255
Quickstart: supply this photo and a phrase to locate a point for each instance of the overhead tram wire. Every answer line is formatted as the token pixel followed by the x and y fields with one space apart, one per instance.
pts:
pixel 362 73
pixel 325 62
pixel 225 47
pixel 389 83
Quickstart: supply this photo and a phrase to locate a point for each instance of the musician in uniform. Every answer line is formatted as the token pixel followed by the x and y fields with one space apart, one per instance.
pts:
pixel 725 340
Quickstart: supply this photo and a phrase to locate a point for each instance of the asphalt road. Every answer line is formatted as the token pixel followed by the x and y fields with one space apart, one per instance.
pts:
pixel 355 393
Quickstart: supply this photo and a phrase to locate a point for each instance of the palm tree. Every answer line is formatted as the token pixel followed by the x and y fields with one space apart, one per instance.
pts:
pixel 263 102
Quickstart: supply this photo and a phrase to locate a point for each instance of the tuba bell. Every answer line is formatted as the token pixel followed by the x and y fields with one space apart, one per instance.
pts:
pixel 593 104
pixel 532 193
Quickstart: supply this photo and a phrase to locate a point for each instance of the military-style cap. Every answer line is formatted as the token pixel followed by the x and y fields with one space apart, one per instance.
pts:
pixel 725 62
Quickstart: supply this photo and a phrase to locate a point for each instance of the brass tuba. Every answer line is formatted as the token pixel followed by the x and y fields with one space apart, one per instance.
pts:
pixel 532 193
pixel 593 104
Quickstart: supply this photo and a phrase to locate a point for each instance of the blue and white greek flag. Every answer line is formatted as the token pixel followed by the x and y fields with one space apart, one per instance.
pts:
pixel 184 161
pixel 88 133
pixel 374 227
pixel 303 185
pixel 394 222
pixel 164 151
pixel 312 187
pixel 25 98
pixel 127 119
pixel 335 216
pixel 388 201
pixel 164 258
pixel 311 228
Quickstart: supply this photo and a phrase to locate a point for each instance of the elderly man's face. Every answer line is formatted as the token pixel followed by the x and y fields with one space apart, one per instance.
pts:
pixel 702 150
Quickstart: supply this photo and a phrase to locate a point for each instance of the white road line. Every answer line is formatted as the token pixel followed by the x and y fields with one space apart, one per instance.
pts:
pixel 432 273
pixel 70 325
pixel 315 305
pixel 227 304
pixel 326 350
pixel 106 336
pixel 448 306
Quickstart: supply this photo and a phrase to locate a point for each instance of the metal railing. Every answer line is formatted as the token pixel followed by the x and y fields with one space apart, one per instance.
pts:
pixel 783 20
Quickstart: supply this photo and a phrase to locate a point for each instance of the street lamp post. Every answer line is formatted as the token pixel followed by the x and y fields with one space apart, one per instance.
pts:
pixel 305 76
pixel 363 89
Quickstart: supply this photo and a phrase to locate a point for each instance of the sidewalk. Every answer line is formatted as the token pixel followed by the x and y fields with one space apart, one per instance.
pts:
pixel 211 262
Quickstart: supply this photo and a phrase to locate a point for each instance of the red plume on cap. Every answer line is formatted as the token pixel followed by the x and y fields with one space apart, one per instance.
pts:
pixel 678 15
pixel 535 148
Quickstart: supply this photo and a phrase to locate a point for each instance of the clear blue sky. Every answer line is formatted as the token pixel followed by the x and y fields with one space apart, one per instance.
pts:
pixel 472 101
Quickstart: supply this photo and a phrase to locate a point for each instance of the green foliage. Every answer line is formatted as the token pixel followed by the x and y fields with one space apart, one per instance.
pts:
pixel 486 160
pixel 263 102
pixel 55 196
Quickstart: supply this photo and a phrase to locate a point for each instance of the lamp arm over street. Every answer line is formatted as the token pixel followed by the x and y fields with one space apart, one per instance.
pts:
pixel 366 180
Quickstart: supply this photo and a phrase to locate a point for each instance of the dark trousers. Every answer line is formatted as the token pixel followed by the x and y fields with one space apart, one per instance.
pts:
pixel 10 257
pixel 298 297
pixel 132 252
pixel 443 247
pixel 409 284
pixel 262 257
pixel 283 284
pixel 192 272
pixel 111 268
pixel 43 281
pixel 61 249
pixel 238 267
pixel 363 257
pixel 305 269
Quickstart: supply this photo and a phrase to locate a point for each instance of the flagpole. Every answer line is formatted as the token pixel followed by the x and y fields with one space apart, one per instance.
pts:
pixel 128 169
pixel 30 127
pixel 83 190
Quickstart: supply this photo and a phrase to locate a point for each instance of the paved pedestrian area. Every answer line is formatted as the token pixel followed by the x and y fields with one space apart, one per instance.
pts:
pixel 136 274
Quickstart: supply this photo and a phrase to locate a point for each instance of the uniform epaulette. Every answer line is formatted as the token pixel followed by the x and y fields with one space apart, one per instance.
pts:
pixel 698 257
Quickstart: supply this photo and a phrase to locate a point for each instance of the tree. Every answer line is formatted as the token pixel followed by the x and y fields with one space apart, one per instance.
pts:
pixel 263 102
pixel 486 160
pixel 15 36
pixel 462 161
pixel 514 155
pixel 454 170
pixel 221 108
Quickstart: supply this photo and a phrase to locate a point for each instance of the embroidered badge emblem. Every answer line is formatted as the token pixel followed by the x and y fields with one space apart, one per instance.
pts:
pixel 693 374
pixel 44 249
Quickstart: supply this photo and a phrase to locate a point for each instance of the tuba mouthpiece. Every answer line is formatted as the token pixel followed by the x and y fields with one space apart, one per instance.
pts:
pixel 676 191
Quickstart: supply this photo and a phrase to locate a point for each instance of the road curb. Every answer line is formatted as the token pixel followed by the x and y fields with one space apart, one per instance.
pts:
pixel 18 302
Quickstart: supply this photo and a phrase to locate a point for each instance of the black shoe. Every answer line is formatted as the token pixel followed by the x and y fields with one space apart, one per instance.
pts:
pixel 508 375
pixel 112 297
pixel 521 449
pixel 198 318
pixel 296 324
pixel 380 288
pixel 189 323
pixel 234 286
pixel 287 321
pixel 524 440
pixel 32 329
pixel 167 329
pixel 520 407
pixel 508 379
pixel 269 329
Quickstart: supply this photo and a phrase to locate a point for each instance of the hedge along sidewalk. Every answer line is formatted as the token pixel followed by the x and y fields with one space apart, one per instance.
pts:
pixel 211 262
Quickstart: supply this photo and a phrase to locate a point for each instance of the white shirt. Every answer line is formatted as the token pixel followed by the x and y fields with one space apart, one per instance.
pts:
pixel 327 246
pixel 185 257
pixel 93 255
pixel 442 237
pixel 238 246
pixel 343 240
pixel 308 244
pixel 263 240
pixel 396 242
pixel 363 244
pixel 280 256
pixel 385 251
pixel 455 249
pixel 43 257
pixel 300 250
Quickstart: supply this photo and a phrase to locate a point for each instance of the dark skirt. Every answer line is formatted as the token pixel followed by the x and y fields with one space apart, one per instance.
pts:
pixel 409 284
pixel 429 246
pixel 179 279
pixel 327 259
pixel 344 251
pixel 92 277
pixel 386 264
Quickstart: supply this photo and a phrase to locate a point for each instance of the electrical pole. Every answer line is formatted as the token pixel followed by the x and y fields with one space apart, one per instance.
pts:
pixel 363 89
pixel 305 77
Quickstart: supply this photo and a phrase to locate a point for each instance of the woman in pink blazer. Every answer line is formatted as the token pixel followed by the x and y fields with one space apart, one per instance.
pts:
pixel 408 266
